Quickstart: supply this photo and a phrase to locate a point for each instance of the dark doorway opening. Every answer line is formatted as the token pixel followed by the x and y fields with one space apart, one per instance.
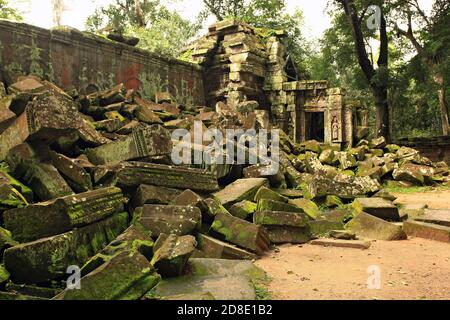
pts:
pixel 315 126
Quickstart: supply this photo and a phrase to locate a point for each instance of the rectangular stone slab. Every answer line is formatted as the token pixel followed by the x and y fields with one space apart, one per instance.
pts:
pixel 127 276
pixel 137 173
pixel 61 215
pixel 147 141
pixel 171 252
pixel 178 220
pixel 427 231
pixel 281 218
pixel 378 207
pixel 242 189
pixel 47 259
pixel 147 194
pixel 209 247
pixel 355 244
pixel 368 226
pixel 441 217
pixel 288 234
pixel 240 232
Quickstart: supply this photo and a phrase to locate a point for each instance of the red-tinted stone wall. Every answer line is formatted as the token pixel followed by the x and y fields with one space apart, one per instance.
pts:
pixel 72 59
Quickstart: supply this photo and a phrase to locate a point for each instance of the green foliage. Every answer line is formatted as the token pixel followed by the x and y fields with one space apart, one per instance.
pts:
pixel 8 12
pixel 160 30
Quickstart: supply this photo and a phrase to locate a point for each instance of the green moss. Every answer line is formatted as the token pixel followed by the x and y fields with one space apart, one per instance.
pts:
pixel 244 236
pixel 226 233
pixel 4 274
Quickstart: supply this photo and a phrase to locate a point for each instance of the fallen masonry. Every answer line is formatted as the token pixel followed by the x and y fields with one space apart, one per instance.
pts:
pixel 88 180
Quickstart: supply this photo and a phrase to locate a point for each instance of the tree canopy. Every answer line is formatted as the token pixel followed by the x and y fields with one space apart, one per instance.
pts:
pixel 9 12
pixel 160 30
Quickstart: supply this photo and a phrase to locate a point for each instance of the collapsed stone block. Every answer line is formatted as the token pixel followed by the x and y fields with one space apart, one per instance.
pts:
pixel 171 252
pixel 368 226
pixel 43 178
pixel 143 142
pixel 47 259
pixel 441 217
pixel 126 276
pixel 377 207
pixel 268 194
pixel 243 209
pixel 137 173
pixel 240 232
pixel 178 220
pixel 148 194
pixel 209 247
pixel 427 230
pixel 309 207
pixel 242 189
pixel 77 176
pixel 63 214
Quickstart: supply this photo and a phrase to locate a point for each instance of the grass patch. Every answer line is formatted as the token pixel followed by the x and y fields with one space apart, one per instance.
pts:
pixel 416 189
pixel 262 288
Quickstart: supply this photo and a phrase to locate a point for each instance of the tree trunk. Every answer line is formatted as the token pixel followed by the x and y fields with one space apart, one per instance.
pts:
pixel 382 112
pixel 439 79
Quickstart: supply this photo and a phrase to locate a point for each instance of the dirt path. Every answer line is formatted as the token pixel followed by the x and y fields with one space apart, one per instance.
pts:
pixel 410 269
pixel 435 199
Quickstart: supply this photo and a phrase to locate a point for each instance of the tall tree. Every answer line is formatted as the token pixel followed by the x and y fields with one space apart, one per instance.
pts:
pixel 430 42
pixel 376 77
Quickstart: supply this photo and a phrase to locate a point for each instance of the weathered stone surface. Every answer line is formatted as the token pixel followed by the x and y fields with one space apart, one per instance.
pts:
pixel 355 244
pixel 48 258
pixel 322 226
pixel 377 143
pixel 58 216
pixel 413 173
pixel 209 247
pixel 309 207
pixel 190 198
pixel 177 220
pixel 342 235
pixel 427 230
pixel 377 207
pixel 137 173
pixel 6 240
pixel 271 205
pixel 266 193
pixel 6 116
pixel 148 194
pixel 47 117
pixel 327 156
pixel 78 177
pixel 134 239
pixel 213 207
pixel 242 189
pixel 126 276
pixel 33 291
pixel 43 178
pixel 171 252
pixel 368 226
pixel 441 217
pixel 281 218
pixel 342 185
pixel 243 209
pixel 242 233
pixel 223 279
pixel 263 171
pixel 287 234
pixel 145 141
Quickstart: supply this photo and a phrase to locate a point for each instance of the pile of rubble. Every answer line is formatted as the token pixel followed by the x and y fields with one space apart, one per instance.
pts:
pixel 88 182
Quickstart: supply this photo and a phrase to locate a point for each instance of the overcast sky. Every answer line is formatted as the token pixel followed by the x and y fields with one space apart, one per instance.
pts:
pixel 39 12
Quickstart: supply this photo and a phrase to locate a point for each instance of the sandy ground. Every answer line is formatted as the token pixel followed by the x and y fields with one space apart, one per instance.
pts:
pixel 410 269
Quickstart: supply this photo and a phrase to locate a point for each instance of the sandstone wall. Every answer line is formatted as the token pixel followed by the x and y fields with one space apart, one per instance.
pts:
pixel 436 149
pixel 70 59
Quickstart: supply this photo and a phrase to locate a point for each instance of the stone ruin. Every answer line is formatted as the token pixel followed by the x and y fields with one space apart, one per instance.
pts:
pixel 87 184
pixel 247 70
